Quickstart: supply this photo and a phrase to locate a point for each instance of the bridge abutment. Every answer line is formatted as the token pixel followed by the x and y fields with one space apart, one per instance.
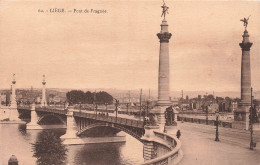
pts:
pixel 148 142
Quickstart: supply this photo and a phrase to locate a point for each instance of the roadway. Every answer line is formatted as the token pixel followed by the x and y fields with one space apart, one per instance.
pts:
pixel 110 114
pixel 199 145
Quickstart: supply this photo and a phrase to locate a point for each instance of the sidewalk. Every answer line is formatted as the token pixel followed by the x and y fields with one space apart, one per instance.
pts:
pixel 200 148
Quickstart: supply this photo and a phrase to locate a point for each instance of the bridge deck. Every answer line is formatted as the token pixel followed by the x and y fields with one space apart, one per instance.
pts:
pixel 122 119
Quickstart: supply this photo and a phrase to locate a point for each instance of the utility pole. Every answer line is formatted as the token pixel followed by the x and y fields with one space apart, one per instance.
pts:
pixel 140 103
pixel 95 104
pixel 117 104
pixel 149 94
pixel 182 105
pixel 129 100
pixel 217 134
pixel 251 122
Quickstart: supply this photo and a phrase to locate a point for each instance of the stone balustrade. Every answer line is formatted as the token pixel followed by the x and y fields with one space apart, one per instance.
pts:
pixel 170 148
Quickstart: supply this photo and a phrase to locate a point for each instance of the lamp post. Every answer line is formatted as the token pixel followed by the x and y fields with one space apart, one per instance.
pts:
pixel 127 104
pixel 140 104
pixel 217 116
pixel 207 113
pixel 117 103
pixel 147 108
pixel 182 105
pixel 80 107
pixel 96 108
pixel 251 122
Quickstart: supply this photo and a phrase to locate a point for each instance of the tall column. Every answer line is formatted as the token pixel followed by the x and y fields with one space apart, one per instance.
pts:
pixel 14 115
pixel 163 76
pixel 43 101
pixel 163 73
pixel 245 71
pixel 241 114
pixel 13 97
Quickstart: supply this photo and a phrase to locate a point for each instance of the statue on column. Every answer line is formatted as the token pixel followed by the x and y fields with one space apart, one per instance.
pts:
pixel 245 20
pixel 165 10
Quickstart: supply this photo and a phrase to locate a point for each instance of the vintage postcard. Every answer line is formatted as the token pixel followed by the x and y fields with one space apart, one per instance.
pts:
pixel 111 82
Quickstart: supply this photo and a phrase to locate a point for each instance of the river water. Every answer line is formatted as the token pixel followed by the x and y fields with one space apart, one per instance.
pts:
pixel 16 140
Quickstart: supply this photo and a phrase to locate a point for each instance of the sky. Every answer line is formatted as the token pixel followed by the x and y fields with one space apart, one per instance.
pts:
pixel 120 49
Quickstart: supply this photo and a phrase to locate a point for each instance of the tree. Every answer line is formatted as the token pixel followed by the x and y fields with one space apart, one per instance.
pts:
pixel 104 97
pixel 89 97
pixel 49 150
pixel 76 97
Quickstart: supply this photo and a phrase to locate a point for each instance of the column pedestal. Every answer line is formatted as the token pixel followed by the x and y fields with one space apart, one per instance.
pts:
pixel 159 111
pixel 241 118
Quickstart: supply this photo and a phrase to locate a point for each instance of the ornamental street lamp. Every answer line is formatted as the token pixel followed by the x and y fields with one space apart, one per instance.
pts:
pixel 116 109
pixel 127 104
pixel 207 113
pixel 217 116
pixel 147 108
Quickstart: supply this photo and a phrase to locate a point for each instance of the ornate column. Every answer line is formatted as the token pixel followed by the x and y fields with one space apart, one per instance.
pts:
pixel 163 74
pixel 14 115
pixel 13 97
pixel 241 114
pixel 245 70
pixel 43 101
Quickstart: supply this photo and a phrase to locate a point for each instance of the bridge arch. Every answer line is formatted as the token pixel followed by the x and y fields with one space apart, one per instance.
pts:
pixel 137 134
pixel 52 115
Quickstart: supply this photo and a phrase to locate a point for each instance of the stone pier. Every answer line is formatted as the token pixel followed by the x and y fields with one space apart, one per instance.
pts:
pixel 70 137
pixel 33 125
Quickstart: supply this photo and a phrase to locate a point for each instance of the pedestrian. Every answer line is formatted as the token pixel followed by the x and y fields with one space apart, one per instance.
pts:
pixel 178 134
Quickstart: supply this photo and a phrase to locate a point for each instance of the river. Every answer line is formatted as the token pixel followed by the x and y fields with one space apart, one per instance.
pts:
pixel 16 140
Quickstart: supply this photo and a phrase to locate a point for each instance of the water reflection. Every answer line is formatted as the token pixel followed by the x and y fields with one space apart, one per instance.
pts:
pixel 94 153
pixel 22 129
pixel 12 136
pixel 48 149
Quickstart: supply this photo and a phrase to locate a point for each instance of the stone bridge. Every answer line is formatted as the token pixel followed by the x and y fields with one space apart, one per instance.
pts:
pixel 89 127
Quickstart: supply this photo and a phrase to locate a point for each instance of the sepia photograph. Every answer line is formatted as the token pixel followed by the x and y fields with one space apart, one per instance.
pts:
pixel 129 82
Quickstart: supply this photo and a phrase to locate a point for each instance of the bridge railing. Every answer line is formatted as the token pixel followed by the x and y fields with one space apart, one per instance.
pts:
pixel 226 124
pixel 24 107
pixel 171 157
pixel 51 109
pixel 111 119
